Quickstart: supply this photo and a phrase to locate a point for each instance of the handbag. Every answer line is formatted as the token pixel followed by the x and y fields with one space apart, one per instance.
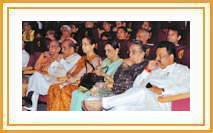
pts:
pixel 89 79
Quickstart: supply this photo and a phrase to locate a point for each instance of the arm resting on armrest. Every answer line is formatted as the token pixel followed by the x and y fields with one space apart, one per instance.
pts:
pixel 29 72
pixel 32 72
pixel 26 68
pixel 62 78
pixel 173 98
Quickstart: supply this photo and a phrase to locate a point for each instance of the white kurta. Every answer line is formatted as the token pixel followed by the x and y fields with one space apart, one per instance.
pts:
pixel 175 79
pixel 25 58
pixel 41 83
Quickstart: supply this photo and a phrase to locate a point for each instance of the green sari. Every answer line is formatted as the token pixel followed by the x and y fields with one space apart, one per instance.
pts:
pixel 78 96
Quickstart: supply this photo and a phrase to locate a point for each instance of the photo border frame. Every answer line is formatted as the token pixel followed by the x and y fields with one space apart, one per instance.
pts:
pixel 8 73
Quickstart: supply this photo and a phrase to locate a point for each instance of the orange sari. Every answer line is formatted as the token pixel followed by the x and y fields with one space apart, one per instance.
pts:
pixel 59 99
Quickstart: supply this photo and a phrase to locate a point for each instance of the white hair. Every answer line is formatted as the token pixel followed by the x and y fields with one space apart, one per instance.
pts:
pixel 66 26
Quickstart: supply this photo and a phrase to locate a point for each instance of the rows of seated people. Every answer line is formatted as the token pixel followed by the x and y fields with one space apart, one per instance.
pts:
pixel 118 51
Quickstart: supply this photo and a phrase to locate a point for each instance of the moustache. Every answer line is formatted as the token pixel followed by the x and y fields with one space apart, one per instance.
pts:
pixel 158 61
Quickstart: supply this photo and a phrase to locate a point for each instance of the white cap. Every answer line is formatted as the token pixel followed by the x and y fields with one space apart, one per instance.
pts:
pixel 67 26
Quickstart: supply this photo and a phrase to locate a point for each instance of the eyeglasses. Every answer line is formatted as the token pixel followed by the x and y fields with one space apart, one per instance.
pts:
pixel 133 51
pixel 121 32
pixel 52 46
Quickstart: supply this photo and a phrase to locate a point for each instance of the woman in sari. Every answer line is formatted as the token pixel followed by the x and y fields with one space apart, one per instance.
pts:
pixel 59 95
pixel 106 69
pixel 124 76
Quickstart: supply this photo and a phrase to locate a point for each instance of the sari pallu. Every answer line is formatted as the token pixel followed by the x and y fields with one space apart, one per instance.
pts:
pixel 81 93
pixel 59 95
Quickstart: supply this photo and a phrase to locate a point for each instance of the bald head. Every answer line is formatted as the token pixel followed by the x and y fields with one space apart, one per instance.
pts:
pixel 68 47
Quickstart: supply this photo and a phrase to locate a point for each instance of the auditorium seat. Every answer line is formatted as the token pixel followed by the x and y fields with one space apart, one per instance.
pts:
pixel 183 57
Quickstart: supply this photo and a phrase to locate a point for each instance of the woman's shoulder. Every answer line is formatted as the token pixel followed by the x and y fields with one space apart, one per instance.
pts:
pixel 97 57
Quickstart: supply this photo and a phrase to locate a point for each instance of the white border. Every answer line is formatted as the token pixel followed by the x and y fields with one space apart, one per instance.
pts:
pixel 192 117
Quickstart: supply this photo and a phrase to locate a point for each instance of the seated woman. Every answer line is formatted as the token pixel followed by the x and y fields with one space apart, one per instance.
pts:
pixel 131 68
pixel 59 95
pixel 126 74
pixel 106 69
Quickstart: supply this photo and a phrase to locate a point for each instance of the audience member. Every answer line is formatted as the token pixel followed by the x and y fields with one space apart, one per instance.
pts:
pixel 106 69
pixel 118 24
pixel 124 43
pixel 28 33
pixel 38 83
pixel 66 34
pixel 107 33
pixel 51 35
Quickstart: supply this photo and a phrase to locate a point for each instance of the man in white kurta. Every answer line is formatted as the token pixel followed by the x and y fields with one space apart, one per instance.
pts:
pixel 40 83
pixel 25 56
pixel 166 78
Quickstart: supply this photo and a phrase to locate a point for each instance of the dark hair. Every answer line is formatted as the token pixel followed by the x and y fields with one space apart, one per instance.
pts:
pixel 52 32
pixel 123 22
pixel 91 39
pixel 175 28
pixel 113 43
pixel 140 43
pixel 124 28
pixel 107 35
pixel 109 22
pixel 28 22
pixel 76 25
pixel 170 47
pixel 150 23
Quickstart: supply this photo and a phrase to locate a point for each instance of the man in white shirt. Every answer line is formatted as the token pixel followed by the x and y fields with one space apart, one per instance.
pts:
pixel 39 83
pixel 25 56
pixel 161 77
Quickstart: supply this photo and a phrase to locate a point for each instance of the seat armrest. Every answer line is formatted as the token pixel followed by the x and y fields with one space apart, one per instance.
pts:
pixel 29 72
pixel 61 78
pixel 27 68
pixel 173 98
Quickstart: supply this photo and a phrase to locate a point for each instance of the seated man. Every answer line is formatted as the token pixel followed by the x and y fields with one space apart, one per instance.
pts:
pixel 39 83
pixel 174 36
pixel 42 65
pixel 143 35
pixel 25 56
pixel 161 77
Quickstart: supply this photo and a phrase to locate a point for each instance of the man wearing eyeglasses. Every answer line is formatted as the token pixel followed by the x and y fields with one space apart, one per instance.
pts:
pixel 56 65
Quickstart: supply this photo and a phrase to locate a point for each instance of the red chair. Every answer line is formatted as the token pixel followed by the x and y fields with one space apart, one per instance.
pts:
pixel 33 58
pixel 180 102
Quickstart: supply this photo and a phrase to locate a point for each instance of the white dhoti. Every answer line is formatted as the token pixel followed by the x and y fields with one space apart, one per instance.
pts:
pixel 135 99
pixel 39 83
